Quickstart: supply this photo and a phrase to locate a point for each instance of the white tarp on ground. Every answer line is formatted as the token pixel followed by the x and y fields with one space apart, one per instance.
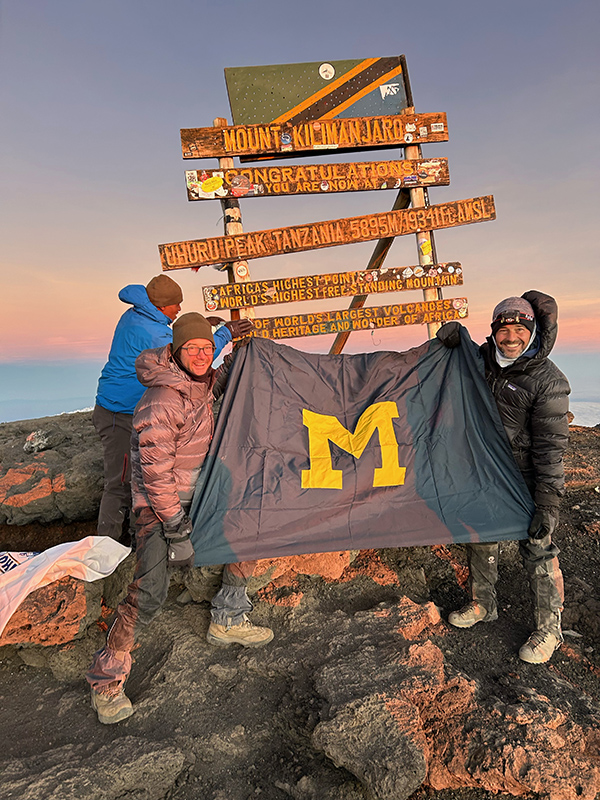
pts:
pixel 88 559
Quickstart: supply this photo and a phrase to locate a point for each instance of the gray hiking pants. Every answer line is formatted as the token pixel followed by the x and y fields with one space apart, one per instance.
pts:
pixel 146 596
pixel 540 559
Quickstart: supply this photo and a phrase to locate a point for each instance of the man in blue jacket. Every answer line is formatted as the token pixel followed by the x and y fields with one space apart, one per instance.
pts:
pixel 145 325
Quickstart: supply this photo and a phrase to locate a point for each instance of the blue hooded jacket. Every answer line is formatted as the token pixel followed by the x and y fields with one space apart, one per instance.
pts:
pixel 141 327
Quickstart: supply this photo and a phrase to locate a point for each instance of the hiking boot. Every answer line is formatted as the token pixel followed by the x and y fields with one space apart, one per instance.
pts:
pixel 471 614
pixel 539 647
pixel 112 706
pixel 246 634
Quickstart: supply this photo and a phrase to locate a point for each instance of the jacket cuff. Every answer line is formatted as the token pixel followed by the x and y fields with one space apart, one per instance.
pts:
pixel 547 500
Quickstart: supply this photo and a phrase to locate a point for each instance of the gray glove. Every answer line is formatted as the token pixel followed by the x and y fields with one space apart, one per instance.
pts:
pixel 449 334
pixel 177 533
pixel 544 522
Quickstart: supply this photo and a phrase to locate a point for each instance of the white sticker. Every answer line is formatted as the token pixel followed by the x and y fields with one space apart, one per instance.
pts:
pixel 408 137
pixel 423 131
pixel 437 127
pixel 389 89
pixel 326 71
pixel 411 128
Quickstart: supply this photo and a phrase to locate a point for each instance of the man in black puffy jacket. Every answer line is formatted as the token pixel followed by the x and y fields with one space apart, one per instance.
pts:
pixel 532 397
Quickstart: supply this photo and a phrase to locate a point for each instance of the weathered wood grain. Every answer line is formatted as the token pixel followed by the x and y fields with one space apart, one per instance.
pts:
pixel 286 138
pixel 337 284
pixel 356 319
pixel 215 184
pixel 316 235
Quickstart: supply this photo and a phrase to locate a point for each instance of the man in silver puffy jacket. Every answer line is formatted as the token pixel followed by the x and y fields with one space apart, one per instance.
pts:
pixel 172 430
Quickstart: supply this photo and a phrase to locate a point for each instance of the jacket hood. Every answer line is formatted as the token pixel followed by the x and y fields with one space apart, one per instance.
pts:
pixel 136 295
pixel 158 368
pixel 546 317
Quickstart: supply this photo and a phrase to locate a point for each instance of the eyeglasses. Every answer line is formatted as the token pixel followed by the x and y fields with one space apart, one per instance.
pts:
pixel 193 350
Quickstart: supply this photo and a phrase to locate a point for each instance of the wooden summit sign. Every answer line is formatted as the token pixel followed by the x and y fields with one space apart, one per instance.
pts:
pixel 316 178
pixel 289 138
pixel 315 235
pixel 335 284
pixel 356 319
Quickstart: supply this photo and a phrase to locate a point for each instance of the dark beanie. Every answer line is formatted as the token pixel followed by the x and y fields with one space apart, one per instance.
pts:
pixel 163 291
pixel 513 311
pixel 191 326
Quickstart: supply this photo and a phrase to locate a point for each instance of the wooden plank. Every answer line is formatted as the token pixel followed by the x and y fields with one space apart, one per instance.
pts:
pixel 337 284
pixel 316 235
pixel 360 176
pixel 357 319
pixel 287 138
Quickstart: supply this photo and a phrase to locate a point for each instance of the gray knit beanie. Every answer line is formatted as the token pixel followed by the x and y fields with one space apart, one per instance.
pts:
pixel 513 311
pixel 191 326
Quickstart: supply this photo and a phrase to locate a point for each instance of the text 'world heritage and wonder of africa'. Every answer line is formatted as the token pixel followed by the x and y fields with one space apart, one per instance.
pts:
pixel 356 319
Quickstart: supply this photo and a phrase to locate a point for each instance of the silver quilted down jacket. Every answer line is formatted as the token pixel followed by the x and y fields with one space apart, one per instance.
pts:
pixel 172 430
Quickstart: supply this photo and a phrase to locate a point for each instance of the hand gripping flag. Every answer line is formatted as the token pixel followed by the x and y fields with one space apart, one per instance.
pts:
pixel 319 453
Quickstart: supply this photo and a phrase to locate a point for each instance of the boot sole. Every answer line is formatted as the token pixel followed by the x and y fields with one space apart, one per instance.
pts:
pixel 244 642
pixel 487 618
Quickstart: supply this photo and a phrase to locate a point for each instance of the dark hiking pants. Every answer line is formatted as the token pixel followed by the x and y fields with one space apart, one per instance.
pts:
pixel 114 430
pixel 540 559
pixel 146 596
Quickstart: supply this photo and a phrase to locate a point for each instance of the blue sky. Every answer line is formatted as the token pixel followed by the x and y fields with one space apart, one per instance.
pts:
pixel 92 97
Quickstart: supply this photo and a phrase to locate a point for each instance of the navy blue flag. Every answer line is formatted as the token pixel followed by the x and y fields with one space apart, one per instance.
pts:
pixel 318 453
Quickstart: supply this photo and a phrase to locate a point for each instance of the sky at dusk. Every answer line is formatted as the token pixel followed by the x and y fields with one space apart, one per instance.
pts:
pixel 93 95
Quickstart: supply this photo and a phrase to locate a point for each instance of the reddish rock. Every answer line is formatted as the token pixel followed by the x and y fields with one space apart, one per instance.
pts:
pixel 466 741
pixel 55 614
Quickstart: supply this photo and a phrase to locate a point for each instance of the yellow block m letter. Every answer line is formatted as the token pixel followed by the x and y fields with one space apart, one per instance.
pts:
pixel 323 429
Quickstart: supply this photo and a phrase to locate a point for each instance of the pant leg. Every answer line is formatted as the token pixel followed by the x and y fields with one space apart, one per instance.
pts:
pixel 114 430
pixel 145 598
pixel 231 603
pixel 482 559
pixel 540 559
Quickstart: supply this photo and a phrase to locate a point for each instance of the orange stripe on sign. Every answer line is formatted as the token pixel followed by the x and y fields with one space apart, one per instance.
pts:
pixel 368 62
pixel 347 103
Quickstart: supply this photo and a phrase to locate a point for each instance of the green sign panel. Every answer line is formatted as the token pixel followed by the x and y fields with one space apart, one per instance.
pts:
pixel 368 87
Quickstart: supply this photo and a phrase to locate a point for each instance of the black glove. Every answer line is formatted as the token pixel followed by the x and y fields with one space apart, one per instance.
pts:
pixel 449 334
pixel 544 522
pixel 240 327
pixel 177 533
pixel 214 321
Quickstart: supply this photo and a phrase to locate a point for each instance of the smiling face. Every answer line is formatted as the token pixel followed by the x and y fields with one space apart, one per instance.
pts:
pixel 196 355
pixel 512 340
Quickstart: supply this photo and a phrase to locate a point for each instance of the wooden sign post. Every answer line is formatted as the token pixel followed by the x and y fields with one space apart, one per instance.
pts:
pixel 237 271
pixel 317 108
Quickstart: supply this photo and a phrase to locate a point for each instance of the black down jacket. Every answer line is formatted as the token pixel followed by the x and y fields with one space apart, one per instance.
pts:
pixel 532 398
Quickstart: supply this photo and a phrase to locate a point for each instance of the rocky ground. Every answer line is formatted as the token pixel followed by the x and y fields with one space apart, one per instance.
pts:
pixel 364 693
